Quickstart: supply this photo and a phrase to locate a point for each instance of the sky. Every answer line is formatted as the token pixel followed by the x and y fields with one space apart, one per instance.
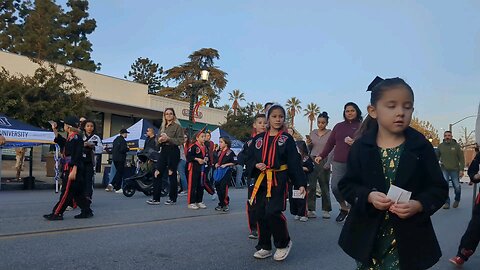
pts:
pixel 326 52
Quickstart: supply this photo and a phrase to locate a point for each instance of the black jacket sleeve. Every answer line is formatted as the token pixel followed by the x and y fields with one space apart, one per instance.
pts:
pixel 60 141
pixel 474 168
pixel 77 152
pixel 309 165
pixel 191 153
pixel 351 186
pixel 435 189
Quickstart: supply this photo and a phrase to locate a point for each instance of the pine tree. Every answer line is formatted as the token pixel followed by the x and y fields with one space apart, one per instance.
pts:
pixel 75 44
pixel 145 71
pixel 9 28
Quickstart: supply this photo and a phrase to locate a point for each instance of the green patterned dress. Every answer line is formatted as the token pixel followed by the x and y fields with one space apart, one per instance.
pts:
pixel 385 253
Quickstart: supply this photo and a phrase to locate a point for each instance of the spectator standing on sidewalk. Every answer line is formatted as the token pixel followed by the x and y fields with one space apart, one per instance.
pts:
pixel 452 163
pixel 182 166
pixel 20 161
pixel 119 157
pixel 321 174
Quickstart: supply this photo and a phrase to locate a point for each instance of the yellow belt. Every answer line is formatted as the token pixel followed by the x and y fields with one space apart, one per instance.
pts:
pixel 269 173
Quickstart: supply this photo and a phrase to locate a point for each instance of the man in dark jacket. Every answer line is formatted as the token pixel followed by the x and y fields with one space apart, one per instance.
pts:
pixel 150 142
pixel 119 156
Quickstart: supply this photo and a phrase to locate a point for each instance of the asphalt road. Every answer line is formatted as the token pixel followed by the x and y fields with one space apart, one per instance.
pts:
pixel 126 233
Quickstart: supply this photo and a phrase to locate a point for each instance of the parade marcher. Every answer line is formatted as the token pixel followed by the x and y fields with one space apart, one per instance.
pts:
pixel 276 160
pixel 196 160
pixel 119 157
pixel 321 175
pixel 210 146
pixel 382 233
pixel 224 160
pixel 171 136
pixel 72 176
pixel 471 237
pixel 244 158
pixel 342 138
pixel 452 162
pixel 92 148
pixel 298 206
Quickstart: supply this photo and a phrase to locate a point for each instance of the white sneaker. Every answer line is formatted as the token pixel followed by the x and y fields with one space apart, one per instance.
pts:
pixel 312 214
pixel 304 219
pixel 282 253
pixel 201 205
pixel 296 217
pixel 192 206
pixel 119 191
pixel 262 254
pixel 326 215
pixel 109 188
pixel 69 208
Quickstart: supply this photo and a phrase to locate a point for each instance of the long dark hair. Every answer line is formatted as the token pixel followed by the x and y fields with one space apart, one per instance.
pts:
pixel 376 94
pixel 359 117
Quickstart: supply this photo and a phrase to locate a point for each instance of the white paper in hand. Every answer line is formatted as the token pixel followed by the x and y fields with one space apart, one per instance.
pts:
pixel 398 195
pixel 297 195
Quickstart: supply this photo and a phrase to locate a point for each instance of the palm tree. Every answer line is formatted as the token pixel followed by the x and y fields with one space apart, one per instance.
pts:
pixel 235 96
pixel 311 112
pixel 258 107
pixel 293 107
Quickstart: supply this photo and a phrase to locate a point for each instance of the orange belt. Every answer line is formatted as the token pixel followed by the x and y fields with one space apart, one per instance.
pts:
pixel 269 173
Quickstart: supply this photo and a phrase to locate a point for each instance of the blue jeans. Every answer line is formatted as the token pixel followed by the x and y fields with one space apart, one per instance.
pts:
pixel 112 173
pixel 238 176
pixel 453 175
pixel 183 176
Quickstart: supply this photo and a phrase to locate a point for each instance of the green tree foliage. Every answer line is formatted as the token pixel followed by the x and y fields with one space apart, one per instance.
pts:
pixel 188 75
pixel 311 113
pixel 43 30
pixel 145 71
pixel 74 42
pixel 293 107
pixel 48 94
pixel 239 126
pixel 427 129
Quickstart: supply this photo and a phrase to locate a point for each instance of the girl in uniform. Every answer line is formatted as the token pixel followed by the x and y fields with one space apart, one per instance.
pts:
pixel 298 206
pixel 382 232
pixel 197 158
pixel 224 160
pixel 276 160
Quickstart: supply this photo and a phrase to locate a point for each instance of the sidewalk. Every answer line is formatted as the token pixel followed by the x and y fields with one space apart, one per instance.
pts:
pixel 8 181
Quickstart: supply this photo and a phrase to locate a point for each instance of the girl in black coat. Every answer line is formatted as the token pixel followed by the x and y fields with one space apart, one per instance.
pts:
pixel 381 233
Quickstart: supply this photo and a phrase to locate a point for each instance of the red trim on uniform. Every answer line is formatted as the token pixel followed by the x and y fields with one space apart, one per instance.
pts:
pixel 64 198
pixel 477 201
pixel 190 189
pixel 226 196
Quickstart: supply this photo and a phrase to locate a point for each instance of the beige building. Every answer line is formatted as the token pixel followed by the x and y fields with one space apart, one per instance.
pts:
pixel 119 103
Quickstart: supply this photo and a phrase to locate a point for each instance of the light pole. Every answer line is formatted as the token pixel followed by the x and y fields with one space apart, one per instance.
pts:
pixel 451 125
pixel 194 87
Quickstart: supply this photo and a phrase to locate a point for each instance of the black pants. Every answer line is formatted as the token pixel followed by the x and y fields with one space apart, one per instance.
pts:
pixel 72 190
pixel 208 181
pixel 298 207
pixel 251 215
pixel 89 177
pixel 222 189
pixel 195 188
pixel 118 178
pixel 471 237
pixel 168 160
pixel 271 221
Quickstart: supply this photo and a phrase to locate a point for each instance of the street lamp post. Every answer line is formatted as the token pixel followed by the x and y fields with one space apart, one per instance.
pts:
pixel 194 88
pixel 451 125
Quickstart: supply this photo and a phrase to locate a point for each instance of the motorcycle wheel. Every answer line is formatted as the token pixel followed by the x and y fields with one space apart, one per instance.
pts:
pixel 128 191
